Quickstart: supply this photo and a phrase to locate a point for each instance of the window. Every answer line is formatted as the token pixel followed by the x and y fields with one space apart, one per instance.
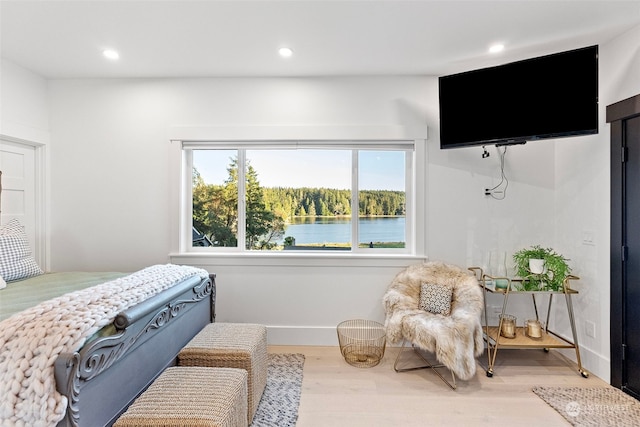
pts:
pixel 292 197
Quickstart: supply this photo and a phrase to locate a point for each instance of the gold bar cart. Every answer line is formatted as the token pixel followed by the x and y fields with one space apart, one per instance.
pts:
pixel 548 340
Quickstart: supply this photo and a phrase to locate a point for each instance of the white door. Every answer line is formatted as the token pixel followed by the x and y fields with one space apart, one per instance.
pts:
pixel 17 163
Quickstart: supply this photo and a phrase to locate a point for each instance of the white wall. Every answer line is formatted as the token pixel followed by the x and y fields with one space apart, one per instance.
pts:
pixel 583 202
pixel 110 199
pixel 24 110
pixel 111 160
pixel 24 120
pixel 110 173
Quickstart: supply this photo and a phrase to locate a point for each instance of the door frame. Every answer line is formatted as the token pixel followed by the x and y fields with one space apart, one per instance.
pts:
pixel 616 114
pixel 41 214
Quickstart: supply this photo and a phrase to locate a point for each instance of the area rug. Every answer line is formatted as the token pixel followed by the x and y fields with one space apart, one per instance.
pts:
pixel 281 398
pixel 601 406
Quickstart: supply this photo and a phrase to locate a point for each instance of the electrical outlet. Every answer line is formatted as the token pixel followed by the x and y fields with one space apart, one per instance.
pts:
pixel 590 329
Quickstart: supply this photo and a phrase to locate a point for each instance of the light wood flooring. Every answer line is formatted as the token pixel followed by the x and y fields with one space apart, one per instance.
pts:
pixel 336 394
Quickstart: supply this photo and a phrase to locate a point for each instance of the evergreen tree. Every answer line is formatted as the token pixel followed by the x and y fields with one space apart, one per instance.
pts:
pixel 215 211
pixel 324 210
pixel 312 209
pixel 263 226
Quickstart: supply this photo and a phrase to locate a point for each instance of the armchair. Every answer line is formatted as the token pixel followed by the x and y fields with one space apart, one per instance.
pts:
pixel 455 337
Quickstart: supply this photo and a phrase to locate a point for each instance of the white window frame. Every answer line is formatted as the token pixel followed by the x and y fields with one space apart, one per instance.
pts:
pixel 272 137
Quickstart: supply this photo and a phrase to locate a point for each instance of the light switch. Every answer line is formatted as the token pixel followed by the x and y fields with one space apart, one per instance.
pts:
pixel 587 238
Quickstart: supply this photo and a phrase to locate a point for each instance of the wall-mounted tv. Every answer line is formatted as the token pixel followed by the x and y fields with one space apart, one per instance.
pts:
pixel 550 96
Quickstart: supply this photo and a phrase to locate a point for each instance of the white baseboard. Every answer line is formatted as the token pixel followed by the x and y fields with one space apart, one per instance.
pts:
pixel 594 363
pixel 302 335
pixel 306 335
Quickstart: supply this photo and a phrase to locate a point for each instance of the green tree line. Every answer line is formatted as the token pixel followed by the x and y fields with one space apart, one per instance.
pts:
pixel 290 202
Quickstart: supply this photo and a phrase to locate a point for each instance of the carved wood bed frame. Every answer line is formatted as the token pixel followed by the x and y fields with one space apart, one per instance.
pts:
pixel 109 372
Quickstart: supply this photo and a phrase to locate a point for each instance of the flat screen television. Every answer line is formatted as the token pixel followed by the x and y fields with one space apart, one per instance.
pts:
pixel 550 96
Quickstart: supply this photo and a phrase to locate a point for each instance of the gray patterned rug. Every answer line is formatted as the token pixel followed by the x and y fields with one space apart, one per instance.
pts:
pixel 597 406
pixel 281 398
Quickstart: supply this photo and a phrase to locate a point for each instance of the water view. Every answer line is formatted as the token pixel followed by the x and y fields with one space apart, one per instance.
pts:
pixel 308 230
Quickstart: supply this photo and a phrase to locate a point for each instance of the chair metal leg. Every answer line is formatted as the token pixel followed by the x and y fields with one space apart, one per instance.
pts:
pixel 428 365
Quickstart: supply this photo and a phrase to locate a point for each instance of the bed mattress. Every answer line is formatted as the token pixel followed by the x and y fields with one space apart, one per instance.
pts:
pixel 22 294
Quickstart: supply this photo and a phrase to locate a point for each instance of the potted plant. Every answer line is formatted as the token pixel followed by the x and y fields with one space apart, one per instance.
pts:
pixel 552 274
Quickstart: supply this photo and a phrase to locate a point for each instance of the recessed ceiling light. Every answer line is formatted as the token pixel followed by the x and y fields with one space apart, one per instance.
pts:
pixel 111 54
pixel 498 47
pixel 285 52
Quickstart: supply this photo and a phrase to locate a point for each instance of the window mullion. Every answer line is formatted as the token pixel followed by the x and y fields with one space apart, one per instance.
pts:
pixel 355 202
pixel 242 213
pixel 187 208
pixel 409 199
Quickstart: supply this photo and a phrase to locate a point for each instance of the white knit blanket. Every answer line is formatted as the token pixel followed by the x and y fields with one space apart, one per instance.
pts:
pixel 30 341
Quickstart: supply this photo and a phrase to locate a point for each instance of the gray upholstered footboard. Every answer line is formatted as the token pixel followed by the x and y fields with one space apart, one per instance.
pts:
pixel 102 379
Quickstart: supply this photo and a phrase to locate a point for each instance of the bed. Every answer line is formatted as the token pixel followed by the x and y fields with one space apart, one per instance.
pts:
pixel 112 368
pixel 118 361
pixel 95 365
pixel 113 365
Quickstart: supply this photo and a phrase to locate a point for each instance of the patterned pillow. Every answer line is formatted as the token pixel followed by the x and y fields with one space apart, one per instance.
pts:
pixel 16 261
pixel 436 298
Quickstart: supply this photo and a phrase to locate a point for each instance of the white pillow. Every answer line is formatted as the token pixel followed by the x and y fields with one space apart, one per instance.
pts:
pixel 436 298
pixel 16 261
pixel 3 284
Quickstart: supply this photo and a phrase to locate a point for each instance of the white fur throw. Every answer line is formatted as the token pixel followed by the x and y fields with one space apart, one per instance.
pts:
pixel 31 341
pixel 456 340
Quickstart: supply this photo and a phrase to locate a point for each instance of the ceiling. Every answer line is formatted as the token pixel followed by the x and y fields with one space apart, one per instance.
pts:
pixel 65 39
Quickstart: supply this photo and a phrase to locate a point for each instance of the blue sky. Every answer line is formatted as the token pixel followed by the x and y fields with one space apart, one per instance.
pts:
pixel 309 168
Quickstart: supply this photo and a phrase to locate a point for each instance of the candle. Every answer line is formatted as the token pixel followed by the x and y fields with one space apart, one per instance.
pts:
pixel 534 329
pixel 508 328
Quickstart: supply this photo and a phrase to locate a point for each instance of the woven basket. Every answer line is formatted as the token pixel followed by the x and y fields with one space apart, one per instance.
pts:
pixel 232 345
pixel 193 396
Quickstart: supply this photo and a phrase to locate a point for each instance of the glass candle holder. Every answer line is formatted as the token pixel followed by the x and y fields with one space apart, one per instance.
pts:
pixel 508 326
pixel 534 328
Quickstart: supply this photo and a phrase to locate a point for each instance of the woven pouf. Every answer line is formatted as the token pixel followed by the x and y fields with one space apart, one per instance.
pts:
pixel 232 345
pixel 191 396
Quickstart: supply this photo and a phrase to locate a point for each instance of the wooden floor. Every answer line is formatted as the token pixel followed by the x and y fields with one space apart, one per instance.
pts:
pixel 335 393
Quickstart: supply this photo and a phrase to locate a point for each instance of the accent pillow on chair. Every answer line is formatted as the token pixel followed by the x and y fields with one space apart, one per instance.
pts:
pixel 436 298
